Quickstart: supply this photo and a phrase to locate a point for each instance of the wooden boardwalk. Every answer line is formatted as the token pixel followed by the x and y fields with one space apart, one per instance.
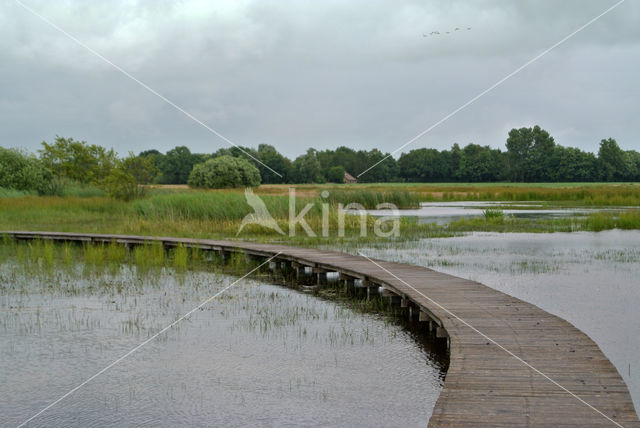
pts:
pixel 485 385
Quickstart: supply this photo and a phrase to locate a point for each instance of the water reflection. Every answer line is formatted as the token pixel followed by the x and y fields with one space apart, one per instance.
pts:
pixel 591 279
pixel 260 354
pixel 446 212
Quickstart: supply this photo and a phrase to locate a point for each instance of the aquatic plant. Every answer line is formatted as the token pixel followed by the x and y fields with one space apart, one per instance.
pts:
pixel 493 214
pixel 180 258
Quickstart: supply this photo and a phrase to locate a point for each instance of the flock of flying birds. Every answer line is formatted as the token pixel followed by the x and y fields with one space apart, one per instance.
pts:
pixel 437 33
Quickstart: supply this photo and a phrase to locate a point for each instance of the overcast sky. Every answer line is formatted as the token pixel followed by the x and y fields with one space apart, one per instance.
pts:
pixel 319 74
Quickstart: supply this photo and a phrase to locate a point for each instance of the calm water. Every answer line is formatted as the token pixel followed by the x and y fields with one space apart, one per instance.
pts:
pixel 446 212
pixel 260 355
pixel 590 279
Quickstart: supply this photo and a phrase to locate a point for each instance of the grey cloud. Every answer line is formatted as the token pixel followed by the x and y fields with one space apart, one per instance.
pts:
pixel 298 74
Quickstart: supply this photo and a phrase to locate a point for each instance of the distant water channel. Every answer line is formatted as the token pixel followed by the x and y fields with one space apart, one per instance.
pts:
pixel 446 212
pixel 259 355
pixel 591 279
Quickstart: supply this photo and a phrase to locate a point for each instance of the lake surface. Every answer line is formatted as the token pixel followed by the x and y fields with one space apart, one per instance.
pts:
pixel 446 212
pixel 259 355
pixel 591 279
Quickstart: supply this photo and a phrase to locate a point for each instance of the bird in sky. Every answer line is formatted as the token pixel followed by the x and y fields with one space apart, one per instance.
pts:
pixel 437 33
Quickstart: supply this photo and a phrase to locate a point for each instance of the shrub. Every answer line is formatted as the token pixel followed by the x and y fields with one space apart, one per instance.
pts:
pixel 335 174
pixel 126 180
pixel 22 171
pixel 224 171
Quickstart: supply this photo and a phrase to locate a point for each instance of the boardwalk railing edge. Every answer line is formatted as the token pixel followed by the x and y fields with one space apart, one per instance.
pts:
pixel 484 386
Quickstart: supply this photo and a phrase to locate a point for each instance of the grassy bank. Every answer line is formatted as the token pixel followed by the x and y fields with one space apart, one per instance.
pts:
pixel 219 214
pixel 587 194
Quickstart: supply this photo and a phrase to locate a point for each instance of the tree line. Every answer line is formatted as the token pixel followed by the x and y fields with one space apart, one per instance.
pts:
pixel 531 155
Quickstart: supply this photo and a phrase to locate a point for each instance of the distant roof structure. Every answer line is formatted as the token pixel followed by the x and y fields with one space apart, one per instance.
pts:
pixel 348 178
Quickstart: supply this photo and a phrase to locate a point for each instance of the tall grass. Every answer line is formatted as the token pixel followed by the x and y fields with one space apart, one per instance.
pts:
pixel 209 206
pixel 13 193
pixel 80 190
pixel 371 198
pixel 218 214
pixel 607 195
pixel 180 258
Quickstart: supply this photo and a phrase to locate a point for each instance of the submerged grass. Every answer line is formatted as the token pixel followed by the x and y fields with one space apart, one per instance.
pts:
pixel 47 259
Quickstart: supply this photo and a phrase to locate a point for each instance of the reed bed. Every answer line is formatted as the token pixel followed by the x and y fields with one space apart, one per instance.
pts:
pixel 219 214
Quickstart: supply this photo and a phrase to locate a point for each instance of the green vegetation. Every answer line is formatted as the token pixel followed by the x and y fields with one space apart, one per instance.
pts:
pixel 531 155
pixel 218 214
pixel 77 161
pixel 125 180
pixel 594 222
pixel 493 213
pixel 23 172
pixel 224 172
pixel 370 199
pixel 13 193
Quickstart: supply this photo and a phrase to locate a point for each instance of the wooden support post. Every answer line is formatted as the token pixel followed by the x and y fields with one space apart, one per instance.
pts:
pixel 348 283
pixel 321 276
pixel 372 288
pixel 441 333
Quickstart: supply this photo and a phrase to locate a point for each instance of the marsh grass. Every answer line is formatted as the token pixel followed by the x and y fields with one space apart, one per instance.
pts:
pixel 148 256
pixel 180 258
pixel 218 214
pixel 370 199
pixel 493 214
pixel 12 193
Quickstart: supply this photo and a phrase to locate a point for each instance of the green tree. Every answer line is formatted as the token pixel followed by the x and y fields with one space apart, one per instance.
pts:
pixel 77 160
pixel 572 164
pixel 633 160
pixel 156 158
pixel 270 157
pixel 335 174
pixel 23 171
pixel 519 144
pixel 422 165
pixel 480 163
pixel 541 154
pixel 529 152
pixel 127 180
pixel 224 171
pixel 306 168
pixel 386 168
pixel 612 162
pixel 176 165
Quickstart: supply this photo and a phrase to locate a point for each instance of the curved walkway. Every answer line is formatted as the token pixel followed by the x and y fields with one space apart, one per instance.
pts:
pixel 511 363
